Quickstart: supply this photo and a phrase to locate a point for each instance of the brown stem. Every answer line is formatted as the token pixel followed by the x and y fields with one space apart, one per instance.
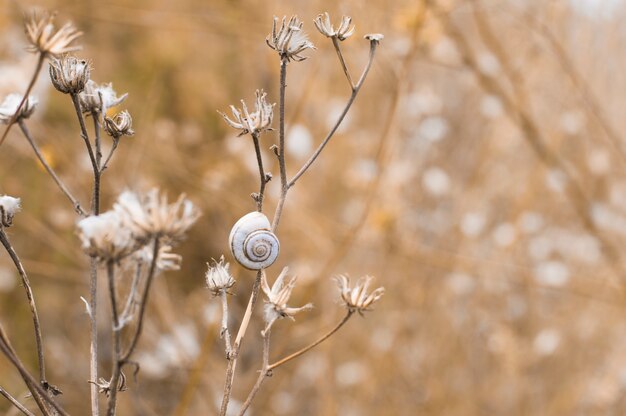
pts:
pixel 96 129
pixel 343 62
pixel 263 181
pixel 281 146
pixel 95 204
pixel 31 302
pixel 15 403
pixel 232 359
pixel 224 332
pixel 116 332
pixel 93 335
pixel 110 155
pixel 31 84
pixel 77 207
pixel 312 345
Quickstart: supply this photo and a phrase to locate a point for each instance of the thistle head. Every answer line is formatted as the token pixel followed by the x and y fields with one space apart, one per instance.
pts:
pixel 10 105
pixel 9 206
pixel 325 27
pixel 218 278
pixel 255 122
pixel 120 125
pixel 69 74
pixel 99 98
pixel 357 298
pixel 46 39
pixel 277 297
pixel 289 40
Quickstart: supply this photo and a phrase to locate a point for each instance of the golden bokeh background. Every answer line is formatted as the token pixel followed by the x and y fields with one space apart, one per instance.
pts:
pixel 480 177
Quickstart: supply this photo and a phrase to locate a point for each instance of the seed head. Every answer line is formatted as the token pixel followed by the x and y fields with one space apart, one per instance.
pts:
pixel 69 74
pixel 45 39
pixel 278 296
pixel 356 298
pixel 9 206
pixel 218 278
pixel 325 27
pixel 120 125
pixel 166 260
pixel 289 40
pixel 374 37
pixel 99 98
pixel 106 237
pixel 10 105
pixel 150 216
pixel 256 122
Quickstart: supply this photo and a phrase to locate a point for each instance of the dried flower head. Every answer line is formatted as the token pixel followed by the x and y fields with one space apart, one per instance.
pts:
pixel 256 122
pixel 290 40
pixel 120 125
pixel 166 260
pixel 325 27
pixel 374 37
pixel 106 236
pixel 356 298
pixel 99 98
pixel 278 296
pixel 9 206
pixel 218 278
pixel 149 216
pixel 10 105
pixel 45 39
pixel 69 74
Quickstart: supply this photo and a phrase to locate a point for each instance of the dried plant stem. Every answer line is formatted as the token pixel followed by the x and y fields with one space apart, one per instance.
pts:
pixel 313 344
pixel 224 332
pixel 31 302
pixel 95 203
pixel 343 62
pixel 281 145
pixel 127 312
pixel 96 128
pixel 31 84
pixel 93 334
pixel 117 341
pixel 38 392
pixel 355 92
pixel 263 180
pixel 143 303
pixel 77 207
pixel 110 155
pixel 232 359
pixel 15 403
pixel 265 372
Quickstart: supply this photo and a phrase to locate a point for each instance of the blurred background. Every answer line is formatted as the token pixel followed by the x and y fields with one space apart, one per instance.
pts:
pixel 480 177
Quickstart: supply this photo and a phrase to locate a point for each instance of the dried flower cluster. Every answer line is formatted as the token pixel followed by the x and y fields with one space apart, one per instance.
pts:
pixel 9 206
pixel 69 74
pixel 120 125
pixel 325 27
pixel 133 221
pixel 258 121
pixel 289 40
pixel 98 98
pixel 278 296
pixel 356 298
pixel 218 278
pixel 10 105
pixel 46 39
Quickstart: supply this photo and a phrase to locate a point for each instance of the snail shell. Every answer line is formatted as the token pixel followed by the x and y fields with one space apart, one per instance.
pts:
pixel 252 242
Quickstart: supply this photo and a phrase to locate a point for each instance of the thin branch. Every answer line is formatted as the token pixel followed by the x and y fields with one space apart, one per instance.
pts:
pixel 343 62
pixel 312 345
pixel 94 164
pixel 232 359
pixel 224 332
pixel 116 141
pixel 116 332
pixel 31 84
pixel 96 129
pixel 265 372
pixel 263 180
pixel 31 302
pixel 281 146
pixel 330 134
pixel 127 313
pixel 144 301
pixel 77 207
pixel 93 335
pixel 15 403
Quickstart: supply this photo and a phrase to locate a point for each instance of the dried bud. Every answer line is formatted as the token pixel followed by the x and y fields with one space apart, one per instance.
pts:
pixel 218 278
pixel 357 299
pixel 69 74
pixel 290 40
pixel 256 122
pixel 374 37
pixel 10 105
pixel 325 27
pixel 99 98
pixel 46 40
pixel 9 206
pixel 166 260
pixel 120 125
pixel 278 296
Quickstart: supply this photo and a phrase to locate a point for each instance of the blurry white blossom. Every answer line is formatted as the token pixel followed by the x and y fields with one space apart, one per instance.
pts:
pixel 552 273
pixel 547 341
pixel 436 181
pixel 473 223
pixel 9 206
pixel 433 128
pixel 99 98
pixel 9 106
pixel 106 236
pixel 299 141
pixel 46 39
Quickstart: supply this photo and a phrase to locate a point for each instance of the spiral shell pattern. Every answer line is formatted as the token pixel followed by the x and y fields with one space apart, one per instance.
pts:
pixel 252 242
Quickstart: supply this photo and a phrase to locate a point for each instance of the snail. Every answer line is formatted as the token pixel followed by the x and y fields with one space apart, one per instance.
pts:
pixel 252 242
